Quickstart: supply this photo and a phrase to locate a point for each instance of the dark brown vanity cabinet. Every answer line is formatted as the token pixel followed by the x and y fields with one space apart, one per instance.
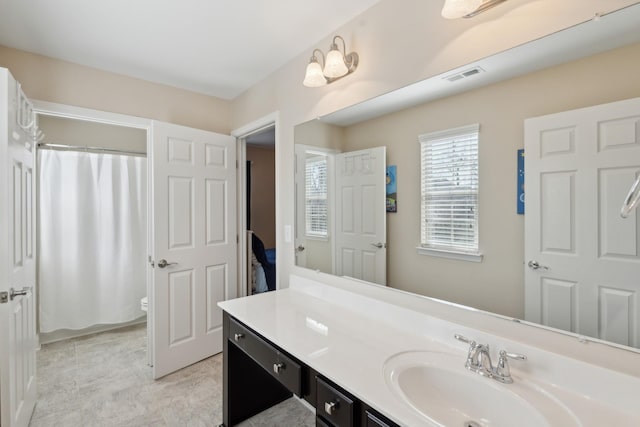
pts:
pixel 259 374
pixel 277 363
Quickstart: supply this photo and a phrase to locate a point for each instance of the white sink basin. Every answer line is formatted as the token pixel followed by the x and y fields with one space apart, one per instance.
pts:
pixel 441 390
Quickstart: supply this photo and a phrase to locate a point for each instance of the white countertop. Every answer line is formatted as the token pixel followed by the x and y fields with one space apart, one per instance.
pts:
pixel 348 338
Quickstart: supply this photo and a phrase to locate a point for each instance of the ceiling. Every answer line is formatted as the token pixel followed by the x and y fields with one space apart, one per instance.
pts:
pixel 216 47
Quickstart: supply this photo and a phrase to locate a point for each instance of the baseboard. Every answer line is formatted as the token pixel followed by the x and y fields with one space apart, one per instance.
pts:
pixel 65 334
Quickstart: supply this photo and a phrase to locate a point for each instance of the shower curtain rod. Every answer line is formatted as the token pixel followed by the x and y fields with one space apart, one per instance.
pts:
pixel 64 147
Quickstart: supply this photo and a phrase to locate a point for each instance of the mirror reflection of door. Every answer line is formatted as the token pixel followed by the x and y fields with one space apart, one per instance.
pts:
pixel 360 243
pixel 341 212
pixel 581 258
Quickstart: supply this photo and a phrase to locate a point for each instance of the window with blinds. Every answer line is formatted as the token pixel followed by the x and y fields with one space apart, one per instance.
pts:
pixel 316 206
pixel 449 205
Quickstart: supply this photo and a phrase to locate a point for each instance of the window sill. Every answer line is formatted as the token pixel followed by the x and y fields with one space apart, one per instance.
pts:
pixel 461 256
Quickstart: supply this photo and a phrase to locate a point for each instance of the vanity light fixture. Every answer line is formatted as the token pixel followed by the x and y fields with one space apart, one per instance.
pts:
pixel 454 9
pixel 314 76
pixel 336 65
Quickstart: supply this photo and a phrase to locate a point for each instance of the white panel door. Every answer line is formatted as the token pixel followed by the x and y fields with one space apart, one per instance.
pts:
pixel 583 259
pixel 18 340
pixel 361 229
pixel 194 232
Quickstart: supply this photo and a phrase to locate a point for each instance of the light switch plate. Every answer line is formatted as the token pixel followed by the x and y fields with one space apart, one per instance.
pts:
pixel 287 233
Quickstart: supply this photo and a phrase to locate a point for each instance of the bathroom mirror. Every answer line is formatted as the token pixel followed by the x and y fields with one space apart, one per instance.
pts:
pixel 590 64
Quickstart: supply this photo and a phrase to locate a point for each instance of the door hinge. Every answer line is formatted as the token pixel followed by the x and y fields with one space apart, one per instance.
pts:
pixel 237 164
pixel 152 262
pixel 4 297
pixel 237 238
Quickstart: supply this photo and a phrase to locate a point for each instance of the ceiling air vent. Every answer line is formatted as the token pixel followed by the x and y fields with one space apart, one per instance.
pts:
pixel 464 74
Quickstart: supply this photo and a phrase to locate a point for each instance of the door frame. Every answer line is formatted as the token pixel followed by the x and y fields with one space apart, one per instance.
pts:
pixel 241 134
pixel 104 117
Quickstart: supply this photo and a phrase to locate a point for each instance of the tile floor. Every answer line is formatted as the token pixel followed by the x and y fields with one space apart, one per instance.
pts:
pixel 103 380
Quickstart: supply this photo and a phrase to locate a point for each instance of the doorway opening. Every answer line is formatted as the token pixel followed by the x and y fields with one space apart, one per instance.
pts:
pixel 92 223
pixel 90 131
pixel 257 213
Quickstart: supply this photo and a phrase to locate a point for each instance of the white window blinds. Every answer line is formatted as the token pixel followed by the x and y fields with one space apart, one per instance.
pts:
pixel 316 208
pixel 449 204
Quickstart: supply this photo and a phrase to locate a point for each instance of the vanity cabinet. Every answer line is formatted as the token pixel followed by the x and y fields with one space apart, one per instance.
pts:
pixel 276 362
pixel 258 374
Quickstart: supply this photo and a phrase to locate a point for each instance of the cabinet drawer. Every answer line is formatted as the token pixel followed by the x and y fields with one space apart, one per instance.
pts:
pixel 322 423
pixel 278 364
pixel 333 404
pixel 288 372
pixel 374 419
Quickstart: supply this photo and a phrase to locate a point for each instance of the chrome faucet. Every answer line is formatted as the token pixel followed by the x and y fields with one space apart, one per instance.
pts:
pixel 479 361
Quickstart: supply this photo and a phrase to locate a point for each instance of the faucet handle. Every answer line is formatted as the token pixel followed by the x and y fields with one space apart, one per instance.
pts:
pixel 516 356
pixel 502 371
pixel 462 338
pixel 471 354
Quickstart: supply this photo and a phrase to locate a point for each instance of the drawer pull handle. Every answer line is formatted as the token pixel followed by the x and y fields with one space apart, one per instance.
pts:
pixel 277 367
pixel 330 407
pixel 238 336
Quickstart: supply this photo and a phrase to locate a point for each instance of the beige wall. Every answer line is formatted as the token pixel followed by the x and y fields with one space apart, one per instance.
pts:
pixel 319 134
pixel 59 130
pixel 263 193
pixel 396 48
pixel 48 79
pixel 496 284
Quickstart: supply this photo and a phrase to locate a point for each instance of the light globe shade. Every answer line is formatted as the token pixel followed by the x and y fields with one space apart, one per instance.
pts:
pixel 454 9
pixel 335 67
pixel 314 76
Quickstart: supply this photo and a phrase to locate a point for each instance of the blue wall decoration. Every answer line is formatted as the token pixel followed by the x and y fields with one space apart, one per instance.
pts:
pixel 392 192
pixel 520 202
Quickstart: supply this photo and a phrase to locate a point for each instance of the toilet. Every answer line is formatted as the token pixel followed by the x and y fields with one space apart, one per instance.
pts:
pixel 144 302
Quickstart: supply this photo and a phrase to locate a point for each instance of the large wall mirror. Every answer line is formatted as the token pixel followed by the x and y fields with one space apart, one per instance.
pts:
pixel 594 63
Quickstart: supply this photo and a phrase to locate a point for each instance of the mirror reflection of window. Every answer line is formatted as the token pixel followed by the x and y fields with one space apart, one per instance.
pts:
pixel 450 190
pixel 316 200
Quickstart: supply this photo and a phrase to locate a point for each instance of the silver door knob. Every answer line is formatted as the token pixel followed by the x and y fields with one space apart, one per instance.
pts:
pixel 163 263
pixel 300 248
pixel 379 245
pixel 535 266
pixel 16 293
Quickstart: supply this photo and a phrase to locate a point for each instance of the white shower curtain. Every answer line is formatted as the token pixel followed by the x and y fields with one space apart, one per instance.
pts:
pixel 92 238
